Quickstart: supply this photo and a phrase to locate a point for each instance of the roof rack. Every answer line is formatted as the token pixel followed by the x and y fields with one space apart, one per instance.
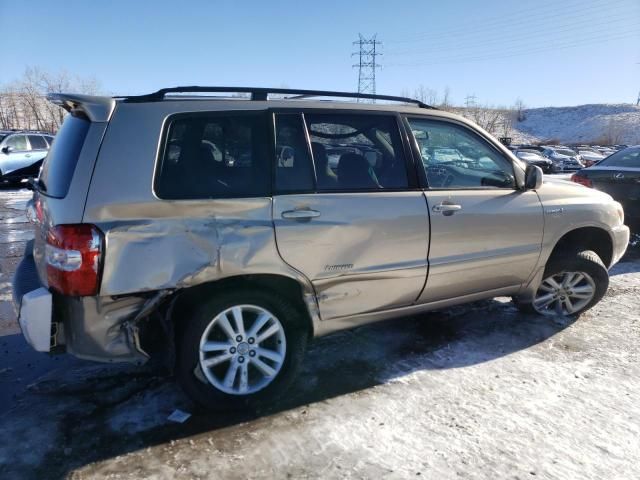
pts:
pixel 262 94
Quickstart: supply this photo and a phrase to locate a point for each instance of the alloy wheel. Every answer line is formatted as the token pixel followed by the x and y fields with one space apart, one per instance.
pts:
pixel 242 349
pixel 564 293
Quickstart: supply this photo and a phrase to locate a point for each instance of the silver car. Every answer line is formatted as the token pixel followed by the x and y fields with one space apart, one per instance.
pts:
pixel 22 153
pixel 215 233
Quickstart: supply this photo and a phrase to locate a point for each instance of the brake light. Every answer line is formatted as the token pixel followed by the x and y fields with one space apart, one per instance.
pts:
pixel 73 257
pixel 581 180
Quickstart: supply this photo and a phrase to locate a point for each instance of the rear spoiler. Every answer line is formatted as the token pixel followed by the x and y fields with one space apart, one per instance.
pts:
pixel 96 109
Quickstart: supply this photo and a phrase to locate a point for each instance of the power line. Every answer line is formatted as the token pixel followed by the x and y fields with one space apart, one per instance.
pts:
pixel 512 53
pixel 498 37
pixel 367 53
pixel 540 14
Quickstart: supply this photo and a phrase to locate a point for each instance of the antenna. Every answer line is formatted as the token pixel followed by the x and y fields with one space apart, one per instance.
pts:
pixel 367 52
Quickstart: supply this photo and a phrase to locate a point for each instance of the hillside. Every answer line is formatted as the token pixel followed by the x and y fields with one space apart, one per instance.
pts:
pixel 595 124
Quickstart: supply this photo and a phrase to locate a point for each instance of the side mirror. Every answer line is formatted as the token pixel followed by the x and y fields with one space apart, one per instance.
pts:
pixel 6 149
pixel 533 178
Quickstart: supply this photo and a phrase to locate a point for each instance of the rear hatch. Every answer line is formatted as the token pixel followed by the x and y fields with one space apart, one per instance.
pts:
pixel 60 192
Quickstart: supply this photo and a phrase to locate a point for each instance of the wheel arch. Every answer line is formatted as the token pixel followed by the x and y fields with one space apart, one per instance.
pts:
pixel 289 288
pixel 586 238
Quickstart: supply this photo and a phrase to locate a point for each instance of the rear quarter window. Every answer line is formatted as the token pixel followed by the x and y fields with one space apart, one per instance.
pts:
pixel 60 163
pixel 214 155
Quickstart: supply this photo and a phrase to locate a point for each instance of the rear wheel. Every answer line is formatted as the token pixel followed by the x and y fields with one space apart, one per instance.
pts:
pixel 571 285
pixel 241 350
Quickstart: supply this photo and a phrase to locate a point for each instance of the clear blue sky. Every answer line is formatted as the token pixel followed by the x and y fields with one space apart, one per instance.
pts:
pixel 562 52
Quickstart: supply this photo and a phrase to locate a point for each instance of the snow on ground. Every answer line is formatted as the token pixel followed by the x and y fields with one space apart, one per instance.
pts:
pixel 580 124
pixel 479 391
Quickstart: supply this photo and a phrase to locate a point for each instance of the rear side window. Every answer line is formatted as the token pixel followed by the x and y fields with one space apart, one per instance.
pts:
pixel 214 156
pixel 37 142
pixel 61 161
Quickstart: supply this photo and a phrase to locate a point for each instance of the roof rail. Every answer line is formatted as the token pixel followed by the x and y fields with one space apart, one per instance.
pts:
pixel 258 93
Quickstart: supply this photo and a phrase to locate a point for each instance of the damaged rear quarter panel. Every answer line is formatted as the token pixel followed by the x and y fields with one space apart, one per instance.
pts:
pixel 180 244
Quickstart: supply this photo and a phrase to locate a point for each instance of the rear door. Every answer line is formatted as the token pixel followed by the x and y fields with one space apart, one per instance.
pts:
pixel 486 234
pixel 356 224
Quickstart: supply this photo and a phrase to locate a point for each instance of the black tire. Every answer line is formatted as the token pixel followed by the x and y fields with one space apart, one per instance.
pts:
pixel 586 261
pixel 204 393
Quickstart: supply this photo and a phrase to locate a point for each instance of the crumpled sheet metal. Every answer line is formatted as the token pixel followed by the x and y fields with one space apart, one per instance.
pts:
pixel 184 244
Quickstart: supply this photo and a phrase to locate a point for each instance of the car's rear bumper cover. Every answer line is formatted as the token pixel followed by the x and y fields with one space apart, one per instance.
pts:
pixel 33 302
pixel 93 328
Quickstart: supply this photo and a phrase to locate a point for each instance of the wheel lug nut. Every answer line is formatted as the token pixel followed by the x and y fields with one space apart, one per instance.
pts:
pixel 252 353
pixel 239 338
pixel 232 350
pixel 252 340
pixel 240 359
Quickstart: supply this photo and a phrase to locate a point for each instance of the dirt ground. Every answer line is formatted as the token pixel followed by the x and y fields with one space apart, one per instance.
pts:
pixel 473 392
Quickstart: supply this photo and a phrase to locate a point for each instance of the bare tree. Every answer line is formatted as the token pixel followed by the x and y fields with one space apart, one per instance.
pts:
pixel 23 104
pixel 426 95
pixel 519 108
pixel 446 101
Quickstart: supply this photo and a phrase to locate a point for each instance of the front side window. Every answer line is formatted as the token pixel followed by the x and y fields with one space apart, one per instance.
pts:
pixel 17 142
pixel 214 156
pixel 454 157
pixel 356 152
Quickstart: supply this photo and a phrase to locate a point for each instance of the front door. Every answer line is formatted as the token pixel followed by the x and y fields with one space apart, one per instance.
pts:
pixel 486 234
pixel 18 156
pixel 344 213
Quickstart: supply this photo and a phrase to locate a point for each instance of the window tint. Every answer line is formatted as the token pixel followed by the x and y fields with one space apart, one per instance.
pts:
pixel 60 162
pixel 455 157
pixel 629 157
pixel 37 142
pixel 357 152
pixel 17 142
pixel 49 140
pixel 294 171
pixel 209 156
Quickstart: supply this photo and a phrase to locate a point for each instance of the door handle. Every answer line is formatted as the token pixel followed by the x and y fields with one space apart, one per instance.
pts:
pixel 28 155
pixel 305 214
pixel 446 208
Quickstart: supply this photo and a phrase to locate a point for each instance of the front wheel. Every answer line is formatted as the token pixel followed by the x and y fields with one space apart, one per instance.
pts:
pixel 572 284
pixel 242 349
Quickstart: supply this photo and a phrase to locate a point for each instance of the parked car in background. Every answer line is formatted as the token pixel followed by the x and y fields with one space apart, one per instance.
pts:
pixel 619 176
pixel 533 157
pixel 227 270
pixel 21 154
pixel 589 156
pixel 606 151
pixel 564 159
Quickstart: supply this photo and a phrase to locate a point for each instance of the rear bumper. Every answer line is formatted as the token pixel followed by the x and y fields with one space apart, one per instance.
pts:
pixel 34 304
pixel 93 328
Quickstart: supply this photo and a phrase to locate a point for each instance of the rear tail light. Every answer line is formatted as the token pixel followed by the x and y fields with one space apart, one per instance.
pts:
pixel 73 257
pixel 581 180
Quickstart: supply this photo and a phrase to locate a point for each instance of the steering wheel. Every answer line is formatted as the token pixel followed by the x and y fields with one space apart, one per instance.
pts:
pixel 439 175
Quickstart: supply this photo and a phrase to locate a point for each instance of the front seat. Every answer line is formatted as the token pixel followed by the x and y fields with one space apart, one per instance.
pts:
pixel 354 172
pixel 326 177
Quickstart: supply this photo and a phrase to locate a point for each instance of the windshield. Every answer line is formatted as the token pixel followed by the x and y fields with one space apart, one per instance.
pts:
pixel 627 158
